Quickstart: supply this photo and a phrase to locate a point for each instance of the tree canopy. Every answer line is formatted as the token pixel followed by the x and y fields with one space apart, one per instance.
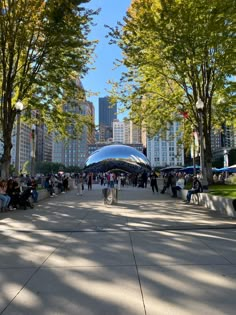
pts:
pixel 176 51
pixel 44 49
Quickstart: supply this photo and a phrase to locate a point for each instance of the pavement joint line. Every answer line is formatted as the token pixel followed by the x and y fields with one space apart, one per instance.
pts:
pixel 34 273
pixel 217 252
pixel 115 266
pixel 139 280
pixel 107 230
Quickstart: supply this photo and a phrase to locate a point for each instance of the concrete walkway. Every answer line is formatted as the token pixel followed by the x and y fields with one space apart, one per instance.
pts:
pixel 148 255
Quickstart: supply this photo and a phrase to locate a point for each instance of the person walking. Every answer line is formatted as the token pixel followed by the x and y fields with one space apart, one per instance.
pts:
pixel 112 180
pixel 118 182
pixel 153 179
pixel 89 181
pixel 166 182
pixel 144 179
pixel 49 185
pixel 65 183
pixel 80 185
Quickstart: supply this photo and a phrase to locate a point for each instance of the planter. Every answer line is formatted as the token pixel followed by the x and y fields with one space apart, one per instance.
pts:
pixel 216 203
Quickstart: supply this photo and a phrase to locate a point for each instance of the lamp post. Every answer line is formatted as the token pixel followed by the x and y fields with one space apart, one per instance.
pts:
pixel 19 107
pixel 194 151
pixel 33 149
pixel 226 158
pixel 200 106
pixel 226 161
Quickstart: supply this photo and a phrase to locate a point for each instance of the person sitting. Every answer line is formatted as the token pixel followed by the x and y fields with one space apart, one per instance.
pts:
pixel 196 188
pixel 34 185
pixel 13 191
pixel 178 187
pixel 5 199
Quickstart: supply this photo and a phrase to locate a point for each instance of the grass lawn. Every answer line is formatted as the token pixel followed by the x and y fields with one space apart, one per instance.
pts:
pixel 228 191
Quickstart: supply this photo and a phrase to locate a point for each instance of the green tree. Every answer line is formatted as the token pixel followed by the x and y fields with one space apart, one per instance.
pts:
pixel 176 51
pixel 49 167
pixel 26 168
pixel 44 48
pixel 73 169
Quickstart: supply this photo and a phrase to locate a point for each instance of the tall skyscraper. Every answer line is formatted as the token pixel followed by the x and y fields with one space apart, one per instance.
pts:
pixel 25 145
pixel 107 113
pixel 43 144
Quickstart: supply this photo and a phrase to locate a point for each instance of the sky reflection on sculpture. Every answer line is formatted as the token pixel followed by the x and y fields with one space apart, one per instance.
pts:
pixel 117 157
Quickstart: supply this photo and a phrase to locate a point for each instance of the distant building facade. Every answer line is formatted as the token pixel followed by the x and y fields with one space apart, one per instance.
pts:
pixel 223 141
pixel 118 131
pixel 168 150
pixel 24 147
pixel 127 132
pixel 44 144
pixel 74 152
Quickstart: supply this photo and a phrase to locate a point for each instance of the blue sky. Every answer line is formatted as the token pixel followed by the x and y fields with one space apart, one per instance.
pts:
pixel 112 11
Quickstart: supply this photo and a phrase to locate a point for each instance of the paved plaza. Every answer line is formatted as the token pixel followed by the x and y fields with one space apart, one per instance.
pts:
pixel 150 254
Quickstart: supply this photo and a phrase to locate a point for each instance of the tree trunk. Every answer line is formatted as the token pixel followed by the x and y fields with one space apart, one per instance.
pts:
pixel 7 126
pixel 208 158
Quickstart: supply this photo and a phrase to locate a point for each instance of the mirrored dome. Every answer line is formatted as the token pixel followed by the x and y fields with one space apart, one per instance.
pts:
pixel 117 157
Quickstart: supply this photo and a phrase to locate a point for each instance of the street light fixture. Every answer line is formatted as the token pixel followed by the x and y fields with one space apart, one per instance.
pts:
pixel 226 161
pixel 200 106
pixel 33 149
pixel 194 150
pixel 19 107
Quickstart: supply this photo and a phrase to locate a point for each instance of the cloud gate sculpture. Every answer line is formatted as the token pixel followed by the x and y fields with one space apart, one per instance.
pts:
pixel 117 157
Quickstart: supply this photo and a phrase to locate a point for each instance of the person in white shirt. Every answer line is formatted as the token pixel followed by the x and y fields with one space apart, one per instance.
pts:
pixel 112 180
pixel 179 186
pixel 118 182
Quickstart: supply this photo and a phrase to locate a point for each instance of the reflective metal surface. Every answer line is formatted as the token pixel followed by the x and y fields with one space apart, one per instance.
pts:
pixel 117 157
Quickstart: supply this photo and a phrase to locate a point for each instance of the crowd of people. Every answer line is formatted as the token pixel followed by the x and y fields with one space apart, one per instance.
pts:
pixel 177 181
pixel 19 191
pixel 11 191
pixel 15 191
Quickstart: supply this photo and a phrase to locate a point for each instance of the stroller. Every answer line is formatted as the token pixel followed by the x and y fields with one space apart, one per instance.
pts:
pixel 23 199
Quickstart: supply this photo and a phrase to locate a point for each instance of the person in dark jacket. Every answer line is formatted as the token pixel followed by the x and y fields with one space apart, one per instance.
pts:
pixel 34 185
pixel 153 179
pixel 166 183
pixel 144 179
pixel 196 188
pixel 90 181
